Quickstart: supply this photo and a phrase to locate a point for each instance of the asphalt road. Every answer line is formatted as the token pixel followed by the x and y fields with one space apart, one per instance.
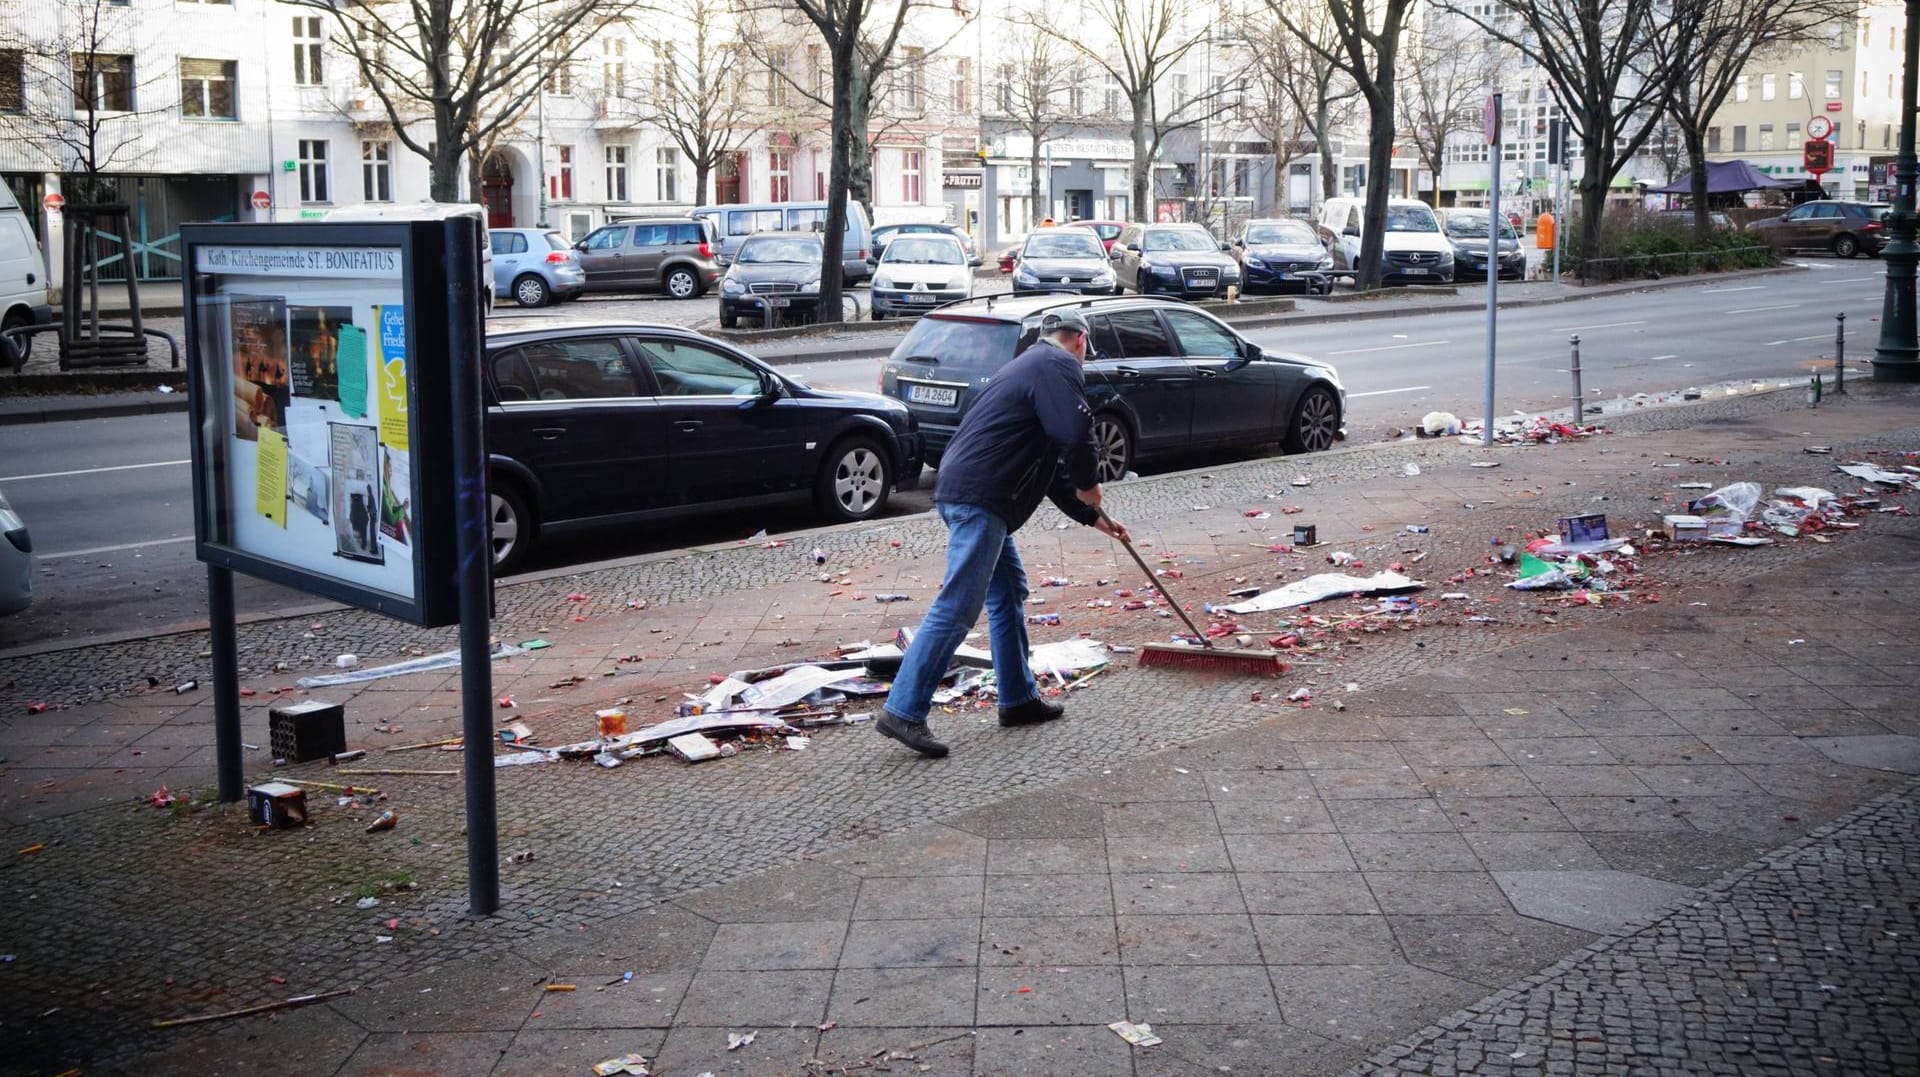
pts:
pixel 110 505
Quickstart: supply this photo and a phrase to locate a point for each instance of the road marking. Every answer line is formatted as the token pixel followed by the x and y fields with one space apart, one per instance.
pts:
pixel 1384 392
pixel 91 471
pixel 1849 280
pixel 1755 310
pixel 1795 340
pixel 1391 347
pixel 113 549
pixel 1748 288
pixel 1658 358
pixel 1601 325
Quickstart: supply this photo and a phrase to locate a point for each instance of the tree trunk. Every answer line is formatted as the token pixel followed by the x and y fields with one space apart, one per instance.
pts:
pixel 1142 163
pixel 1380 132
pixel 700 171
pixel 444 166
pixel 1033 185
pixel 1329 172
pixel 1697 153
pixel 1593 204
pixel 1282 197
pixel 1433 167
pixel 846 82
pixel 860 159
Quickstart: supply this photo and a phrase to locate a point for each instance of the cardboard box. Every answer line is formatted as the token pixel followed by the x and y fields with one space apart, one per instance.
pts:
pixel 307 729
pixel 277 805
pixel 1681 528
pixel 1590 527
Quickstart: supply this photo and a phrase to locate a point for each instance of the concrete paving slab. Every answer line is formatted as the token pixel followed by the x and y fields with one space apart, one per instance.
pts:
pixel 817 890
pixel 1412 852
pixel 1894 753
pixel 1048 895
pixel 315 1039
pixel 1050 995
pixel 937 1052
pixel 1366 1003
pixel 496 995
pixel 427 1052
pixel 1173 893
pixel 729 999
pixel 933 943
pixel 814 944
pixel 537 1052
pixel 1343 892
pixel 1487 950
pixel 904 997
pixel 931 897
pixel 1187 994
pixel 1423 815
pixel 1169 850
pixel 1048 940
pixel 1289 852
pixel 701 1049
pixel 603 999
pixel 1046 856
pixel 1187 940
pixel 1210 1050
pixel 1325 940
pixel 1596 901
pixel 1085 1051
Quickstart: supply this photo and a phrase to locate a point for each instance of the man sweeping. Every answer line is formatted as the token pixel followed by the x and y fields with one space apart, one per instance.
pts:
pixel 1028 436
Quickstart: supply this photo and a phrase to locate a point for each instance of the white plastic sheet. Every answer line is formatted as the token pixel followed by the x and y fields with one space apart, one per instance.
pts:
pixel 1324 586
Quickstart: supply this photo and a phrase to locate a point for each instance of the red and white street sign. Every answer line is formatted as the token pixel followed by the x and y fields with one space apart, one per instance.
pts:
pixel 1490 118
pixel 262 200
pixel 54 202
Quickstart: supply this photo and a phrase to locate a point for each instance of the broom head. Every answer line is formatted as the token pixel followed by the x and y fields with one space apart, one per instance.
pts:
pixel 1213 659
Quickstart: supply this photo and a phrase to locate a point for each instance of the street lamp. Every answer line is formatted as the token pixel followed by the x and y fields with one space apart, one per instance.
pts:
pixel 1897 358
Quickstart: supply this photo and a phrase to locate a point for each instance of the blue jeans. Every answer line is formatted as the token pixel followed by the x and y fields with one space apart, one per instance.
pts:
pixel 983 568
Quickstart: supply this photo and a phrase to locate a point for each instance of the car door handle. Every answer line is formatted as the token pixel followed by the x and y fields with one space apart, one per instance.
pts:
pixel 1207 372
pixel 549 433
pixel 687 426
pixel 1126 372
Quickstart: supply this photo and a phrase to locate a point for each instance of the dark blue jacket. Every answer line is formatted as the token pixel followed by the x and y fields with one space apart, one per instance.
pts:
pixel 1029 435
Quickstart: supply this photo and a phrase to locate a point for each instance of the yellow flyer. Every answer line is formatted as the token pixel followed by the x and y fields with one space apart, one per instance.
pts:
pixel 270 476
pixel 391 341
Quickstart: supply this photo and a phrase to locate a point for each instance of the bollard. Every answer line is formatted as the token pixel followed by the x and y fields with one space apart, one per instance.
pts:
pixel 1840 354
pixel 1579 399
pixel 766 313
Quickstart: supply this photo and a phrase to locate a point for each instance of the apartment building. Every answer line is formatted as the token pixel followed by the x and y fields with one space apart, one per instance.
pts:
pixel 1850 77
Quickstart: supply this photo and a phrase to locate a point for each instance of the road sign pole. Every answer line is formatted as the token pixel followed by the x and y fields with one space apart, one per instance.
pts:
pixel 1493 252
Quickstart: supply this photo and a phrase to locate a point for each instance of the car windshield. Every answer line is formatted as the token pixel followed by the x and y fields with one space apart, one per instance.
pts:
pixel 924 250
pixel 1178 239
pixel 1411 219
pixel 1065 245
pixel 1281 232
pixel 1474 226
pixel 784 250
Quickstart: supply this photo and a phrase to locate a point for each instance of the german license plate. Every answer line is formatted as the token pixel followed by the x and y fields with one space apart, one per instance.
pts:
pixel 912 298
pixel 1415 271
pixel 776 301
pixel 933 394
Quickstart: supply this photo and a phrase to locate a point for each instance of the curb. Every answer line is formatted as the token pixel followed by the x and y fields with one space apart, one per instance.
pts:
pixel 107 410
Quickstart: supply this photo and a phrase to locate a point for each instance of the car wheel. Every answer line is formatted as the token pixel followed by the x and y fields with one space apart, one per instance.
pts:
pixel 855 481
pixel 24 343
pixel 1845 247
pixel 877 314
pixel 727 320
pixel 682 284
pixel 1316 422
pixel 530 291
pixel 511 526
pixel 1113 447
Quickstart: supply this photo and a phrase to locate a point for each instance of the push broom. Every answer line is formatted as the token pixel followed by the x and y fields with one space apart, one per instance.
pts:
pixel 1205 656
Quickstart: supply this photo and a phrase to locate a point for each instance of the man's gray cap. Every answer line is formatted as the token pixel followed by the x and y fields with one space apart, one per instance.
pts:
pixel 1063 319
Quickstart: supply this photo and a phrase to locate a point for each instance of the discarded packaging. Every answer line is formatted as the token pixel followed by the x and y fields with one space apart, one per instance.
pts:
pixel 1324 586
pixel 793 686
pixel 443 660
pixel 631 1063
pixel 385 821
pixel 1870 473
pixel 693 747
pixel 1684 528
pixel 1438 423
pixel 277 805
pixel 1726 510
pixel 613 721
pixel 1589 527
pixel 736 1040
pixel 1140 1035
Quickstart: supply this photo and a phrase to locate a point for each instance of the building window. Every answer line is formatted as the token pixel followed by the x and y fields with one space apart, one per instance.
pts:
pixel 560 67
pixel 1110 105
pixel 1077 99
pixel 963 85
pixel 102 83
pixel 1886 136
pixel 1180 94
pixel 913 75
pixel 617 174
pixel 822 76
pixel 779 176
pixel 1769 87
pixel 1766 136
pixel 1834 84
pixel 1713 140
pixel 1860 135
pixel 1742 88
pixel 13 80
pixel 1796 86
pixel 308 39
pixel 778 92
pixel 315 185
pixel 376 171
pixel 560 184
pixel 1739 138
pixel 666 173
pixel 1003 77
pixel 1793 135
pixel 910 162
pixel 613 66
pixel 206 89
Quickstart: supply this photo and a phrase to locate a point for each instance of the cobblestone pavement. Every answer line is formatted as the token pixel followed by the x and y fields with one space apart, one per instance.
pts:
pixel 1802 963
pixel 1663 742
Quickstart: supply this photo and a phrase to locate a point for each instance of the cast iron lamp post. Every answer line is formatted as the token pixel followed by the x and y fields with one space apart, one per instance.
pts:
pixel 1897 358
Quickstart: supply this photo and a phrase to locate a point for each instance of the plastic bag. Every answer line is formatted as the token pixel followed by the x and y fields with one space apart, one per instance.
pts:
pixel 1730 505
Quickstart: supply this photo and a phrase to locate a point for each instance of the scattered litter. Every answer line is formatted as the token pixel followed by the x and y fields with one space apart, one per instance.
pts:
pixel 631 1063
pixel 1484 464
pixel 1439 423
pixel 735 1040
pixel 444 660
pixel 1819 450
pixel 1870 473
pixel 386 820
pixel 1410 470
pixel 1301 480
pixel 366 903
pixel 892 598
pixel 1324 586
pixel 1139 1035
pixel 694 747
pixel 347 661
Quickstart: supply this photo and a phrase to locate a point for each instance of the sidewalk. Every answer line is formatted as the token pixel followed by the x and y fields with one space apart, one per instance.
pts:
pixel 1276 888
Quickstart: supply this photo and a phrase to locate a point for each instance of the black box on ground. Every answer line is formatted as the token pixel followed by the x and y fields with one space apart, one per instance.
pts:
pixel 277 805
pixel 309 729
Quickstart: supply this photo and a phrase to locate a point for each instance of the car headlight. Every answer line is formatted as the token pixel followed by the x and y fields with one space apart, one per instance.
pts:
pixel 1255 263
pixel 1325 263
pixel 811 286
pixel 732 287
pixel 1024 275
pixel 1105 276
pixel 1230 273
pixel 881 280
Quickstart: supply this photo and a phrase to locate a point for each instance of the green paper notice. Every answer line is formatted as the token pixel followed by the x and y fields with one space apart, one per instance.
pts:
pixel 351 358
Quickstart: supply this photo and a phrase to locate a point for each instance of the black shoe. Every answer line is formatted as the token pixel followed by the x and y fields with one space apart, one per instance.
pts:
pixel 1032 712
pixel 912 734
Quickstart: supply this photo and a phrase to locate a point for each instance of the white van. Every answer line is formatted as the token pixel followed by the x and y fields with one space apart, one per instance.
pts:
pixel 735 222
pixel 429 211
pixel 23 272
pixel 1413 251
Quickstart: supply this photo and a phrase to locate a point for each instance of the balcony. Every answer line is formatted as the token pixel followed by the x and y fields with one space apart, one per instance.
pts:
pixel 616 114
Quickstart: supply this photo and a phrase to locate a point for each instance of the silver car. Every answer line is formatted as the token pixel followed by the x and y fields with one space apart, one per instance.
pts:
pixel 16 561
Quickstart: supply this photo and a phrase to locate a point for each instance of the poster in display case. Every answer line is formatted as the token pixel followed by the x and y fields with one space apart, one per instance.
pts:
pixel 318 364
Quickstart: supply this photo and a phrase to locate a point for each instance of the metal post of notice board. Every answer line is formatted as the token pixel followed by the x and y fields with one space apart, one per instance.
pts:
pixel 225 684
pixel 1492 120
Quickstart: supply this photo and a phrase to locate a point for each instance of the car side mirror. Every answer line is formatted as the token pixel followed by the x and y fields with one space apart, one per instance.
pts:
pixel 1226 246
pixel 1351 232
pixel 581 246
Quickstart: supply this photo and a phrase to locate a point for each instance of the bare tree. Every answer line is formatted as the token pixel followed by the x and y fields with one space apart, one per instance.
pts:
pixel 84 90
pixel 1708 43
pixel 1447 78
pixel 1038 72
pixel 469 68
pixel 1596 54
pixel 1364 44
pixel 698 93
pixel 1294 98
pixel 1142 45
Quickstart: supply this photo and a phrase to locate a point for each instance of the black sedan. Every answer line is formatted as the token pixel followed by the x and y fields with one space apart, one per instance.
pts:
pixel 1163 377
pixel 774 273
pixel 1283 255
pixel 1173 259
pixel 1063 260
pixel 1466 229
pixel 609 423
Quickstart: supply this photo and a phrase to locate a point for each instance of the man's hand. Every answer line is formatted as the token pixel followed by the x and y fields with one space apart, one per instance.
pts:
pixel 1090 498
pixel 1112 527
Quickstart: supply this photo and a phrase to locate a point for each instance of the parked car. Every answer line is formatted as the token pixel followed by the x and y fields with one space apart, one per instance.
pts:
pixel 668 254
pixel 1412 250
pixel 1068 259
pixel 733 223
pixel 1007 258
pixel 1162 377
pixel 920 271
pixel 16 561
pixel 1684 217
pixel 1108 231
pixel 1285 255
pixel 430 211
pixel 1466 229
pixel 24 301
pixel 1845 228
pixel 534 267
pixel 886 232
pixel 1173 259
pixel 778 270
pixel 604 423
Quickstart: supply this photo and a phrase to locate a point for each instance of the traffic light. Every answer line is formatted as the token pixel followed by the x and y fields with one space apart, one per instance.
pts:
pixel 1817 155
pixel 1557 142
